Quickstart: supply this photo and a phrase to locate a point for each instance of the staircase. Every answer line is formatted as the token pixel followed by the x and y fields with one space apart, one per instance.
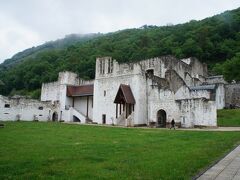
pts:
pixel 121 120
pixel 79 115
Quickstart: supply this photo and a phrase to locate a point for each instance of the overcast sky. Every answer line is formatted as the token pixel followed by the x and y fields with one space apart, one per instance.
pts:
pixel 27 23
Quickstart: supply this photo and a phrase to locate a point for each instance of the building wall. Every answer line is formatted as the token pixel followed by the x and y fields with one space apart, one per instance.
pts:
pixel 25 109
pixel 152 96
pixel 80 104
pixel 54 91
pixel 50 91
pixel 162 100
pixel 166 89
pixel 109 82
pixel 105 104
pixel 197 112
pixel 69 78
pixel 220 96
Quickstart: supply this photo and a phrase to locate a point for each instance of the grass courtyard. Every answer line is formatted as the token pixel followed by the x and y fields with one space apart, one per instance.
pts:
pixel 229 117
pixel 31 150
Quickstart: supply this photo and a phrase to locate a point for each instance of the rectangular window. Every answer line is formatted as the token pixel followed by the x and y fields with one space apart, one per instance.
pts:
pixel 109 66
pixel 7 105
pixel 104 118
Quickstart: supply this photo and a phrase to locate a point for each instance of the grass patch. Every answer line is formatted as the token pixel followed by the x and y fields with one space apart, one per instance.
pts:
pixel 228 117
pixel 61 151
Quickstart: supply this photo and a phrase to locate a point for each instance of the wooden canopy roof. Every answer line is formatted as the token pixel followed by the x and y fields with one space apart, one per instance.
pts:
pixel 83 90
pixel 124 95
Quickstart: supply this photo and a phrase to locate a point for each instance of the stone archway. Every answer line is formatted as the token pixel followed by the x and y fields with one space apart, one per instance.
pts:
pixel 55 116
pixel 161 118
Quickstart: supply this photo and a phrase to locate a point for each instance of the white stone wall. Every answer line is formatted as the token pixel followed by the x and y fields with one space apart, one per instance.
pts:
pixel 50 91
pixel 80 104
pixel 25 109
pixel 149 97
pixel 197 112
pixel 128 74
pixel 53 91
pixel 69 78
pixel 57 92
pixel 149 100
pixel 185 93
pixel 220 96
pixel 105 104
pixel 162 100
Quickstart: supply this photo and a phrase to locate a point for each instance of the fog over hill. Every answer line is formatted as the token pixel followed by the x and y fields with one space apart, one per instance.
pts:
pixel 214 40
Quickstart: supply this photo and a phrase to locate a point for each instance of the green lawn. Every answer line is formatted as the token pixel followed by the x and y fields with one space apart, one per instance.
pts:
pixel 31 150
pixel 228 117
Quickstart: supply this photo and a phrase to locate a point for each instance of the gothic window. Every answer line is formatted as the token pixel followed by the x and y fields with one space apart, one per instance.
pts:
pixel 110 66
pixel 102 67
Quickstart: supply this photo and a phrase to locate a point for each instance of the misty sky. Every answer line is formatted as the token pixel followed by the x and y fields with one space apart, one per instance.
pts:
pixel 27 23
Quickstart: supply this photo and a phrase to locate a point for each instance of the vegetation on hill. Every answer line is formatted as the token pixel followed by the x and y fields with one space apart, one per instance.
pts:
pixel 214 40
pixel 51 45
pixel 31 150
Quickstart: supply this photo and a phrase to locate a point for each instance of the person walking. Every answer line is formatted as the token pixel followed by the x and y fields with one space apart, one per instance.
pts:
pixel 172 124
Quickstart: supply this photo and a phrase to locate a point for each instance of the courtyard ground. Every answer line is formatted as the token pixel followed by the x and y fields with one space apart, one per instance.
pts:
pixel 229 117
pixel 34 150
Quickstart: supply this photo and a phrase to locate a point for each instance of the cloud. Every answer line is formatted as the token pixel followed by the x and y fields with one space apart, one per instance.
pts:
pixel 27 23
pixel 14 37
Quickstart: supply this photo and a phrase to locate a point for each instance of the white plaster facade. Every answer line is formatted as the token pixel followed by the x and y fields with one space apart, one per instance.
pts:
pixel 20 108
pixel 157 84
pixel 152 91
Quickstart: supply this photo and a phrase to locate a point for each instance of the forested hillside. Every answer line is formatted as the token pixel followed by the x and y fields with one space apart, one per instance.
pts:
pixel 215 40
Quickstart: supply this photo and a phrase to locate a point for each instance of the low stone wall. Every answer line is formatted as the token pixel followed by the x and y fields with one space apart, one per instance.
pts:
pixel 13 109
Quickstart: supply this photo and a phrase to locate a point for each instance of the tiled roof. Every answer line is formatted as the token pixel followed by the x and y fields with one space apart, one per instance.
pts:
pixel 83 90
pixel 124 94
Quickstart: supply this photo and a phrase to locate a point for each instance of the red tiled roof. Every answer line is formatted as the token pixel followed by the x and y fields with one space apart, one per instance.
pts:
pixel 83 90
pixel 124 94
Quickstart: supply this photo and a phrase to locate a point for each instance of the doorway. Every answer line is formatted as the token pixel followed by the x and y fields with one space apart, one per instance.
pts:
pixel 161 118
pixel 104 118
pixel 55 117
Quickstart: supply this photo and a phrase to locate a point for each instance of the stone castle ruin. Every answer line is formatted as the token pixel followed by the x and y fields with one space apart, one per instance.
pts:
pixel 150 92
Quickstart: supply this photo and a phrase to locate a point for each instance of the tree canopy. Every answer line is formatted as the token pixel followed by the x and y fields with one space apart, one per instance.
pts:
pixel 214 40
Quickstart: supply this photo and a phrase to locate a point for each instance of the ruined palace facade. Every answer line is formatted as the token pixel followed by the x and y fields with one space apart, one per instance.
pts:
pixel 148 92
pixel 155 91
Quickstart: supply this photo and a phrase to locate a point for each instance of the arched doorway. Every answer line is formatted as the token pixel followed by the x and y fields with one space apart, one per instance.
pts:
pixel 161 118
pixel 55 117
